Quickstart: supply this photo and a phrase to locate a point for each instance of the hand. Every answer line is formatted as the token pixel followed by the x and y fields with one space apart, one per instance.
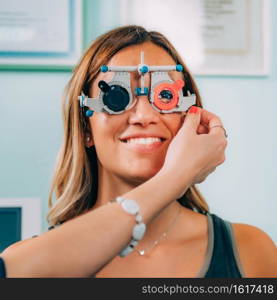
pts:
pixel 196 149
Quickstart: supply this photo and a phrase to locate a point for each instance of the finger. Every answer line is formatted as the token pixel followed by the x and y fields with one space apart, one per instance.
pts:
pixel 213 123
pixel 202 129
pixel 192 119
pixel 209 119
pixel 218 129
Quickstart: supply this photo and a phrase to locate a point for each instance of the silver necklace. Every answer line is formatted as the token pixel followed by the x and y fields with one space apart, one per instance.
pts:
pixel 163 236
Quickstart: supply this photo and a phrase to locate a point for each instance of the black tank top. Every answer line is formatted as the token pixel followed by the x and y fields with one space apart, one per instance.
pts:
pixel 223 257
pixel 2 269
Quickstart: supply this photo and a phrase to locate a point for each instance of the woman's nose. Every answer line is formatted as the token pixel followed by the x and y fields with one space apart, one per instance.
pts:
pixel 143 113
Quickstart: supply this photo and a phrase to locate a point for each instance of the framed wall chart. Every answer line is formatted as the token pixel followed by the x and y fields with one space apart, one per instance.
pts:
pixel 40 34
pixel 214 37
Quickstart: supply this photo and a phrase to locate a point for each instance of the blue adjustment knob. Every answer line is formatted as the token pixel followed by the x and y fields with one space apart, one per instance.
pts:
pixel 179 68
pixel 89 113
pixel 139 92
pixel 104 69
pixel 144 69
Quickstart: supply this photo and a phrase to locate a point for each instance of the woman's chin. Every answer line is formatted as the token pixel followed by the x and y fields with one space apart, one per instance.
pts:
pixel 142 175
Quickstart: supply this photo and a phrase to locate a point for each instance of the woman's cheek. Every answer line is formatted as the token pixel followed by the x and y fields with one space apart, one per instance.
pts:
pixel 174 122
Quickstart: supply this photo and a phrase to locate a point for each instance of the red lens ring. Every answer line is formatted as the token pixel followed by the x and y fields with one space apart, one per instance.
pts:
pixel 159 103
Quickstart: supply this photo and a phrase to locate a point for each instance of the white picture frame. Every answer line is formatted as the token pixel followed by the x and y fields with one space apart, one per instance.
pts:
pixel 41 34
pixel 235 42
pixel 251 55
pixel 31 214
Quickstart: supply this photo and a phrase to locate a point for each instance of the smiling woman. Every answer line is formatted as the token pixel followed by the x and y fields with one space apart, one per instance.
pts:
pixel 78 179
pixel 126 174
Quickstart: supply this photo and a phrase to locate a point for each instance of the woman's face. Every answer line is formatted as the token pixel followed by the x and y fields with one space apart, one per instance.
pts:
pixel 133 145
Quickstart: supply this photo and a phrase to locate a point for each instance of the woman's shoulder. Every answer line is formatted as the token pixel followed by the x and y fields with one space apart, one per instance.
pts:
pixel 257 251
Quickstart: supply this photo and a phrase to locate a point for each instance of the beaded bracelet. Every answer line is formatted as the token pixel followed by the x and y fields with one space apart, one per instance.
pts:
pixel 132 207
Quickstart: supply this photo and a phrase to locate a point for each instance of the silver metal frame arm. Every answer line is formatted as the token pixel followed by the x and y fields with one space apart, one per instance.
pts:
pixel 94 104
pixel 185 102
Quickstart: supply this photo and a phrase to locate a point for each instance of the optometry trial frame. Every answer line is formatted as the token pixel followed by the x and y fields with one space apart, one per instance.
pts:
pixel 115 97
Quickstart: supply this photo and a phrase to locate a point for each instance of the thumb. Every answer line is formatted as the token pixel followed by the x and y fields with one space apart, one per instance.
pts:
pixel 192 119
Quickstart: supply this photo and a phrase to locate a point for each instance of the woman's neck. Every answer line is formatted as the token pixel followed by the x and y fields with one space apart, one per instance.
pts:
pixel 110 186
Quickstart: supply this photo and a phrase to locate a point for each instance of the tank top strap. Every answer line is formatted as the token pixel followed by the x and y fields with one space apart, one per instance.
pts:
pixel 224 259
pixel 2 268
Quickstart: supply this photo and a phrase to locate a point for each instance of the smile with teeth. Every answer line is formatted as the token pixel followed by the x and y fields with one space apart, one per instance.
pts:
pixel 144 141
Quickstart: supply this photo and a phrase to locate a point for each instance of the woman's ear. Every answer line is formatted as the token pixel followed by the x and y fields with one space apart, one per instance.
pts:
pixel 89 140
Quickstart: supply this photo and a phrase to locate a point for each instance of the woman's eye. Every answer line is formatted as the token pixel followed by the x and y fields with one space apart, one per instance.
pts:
pixel 165 96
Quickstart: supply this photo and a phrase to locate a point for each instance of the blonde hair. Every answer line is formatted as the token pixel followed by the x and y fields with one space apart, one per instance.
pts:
pixel 75 178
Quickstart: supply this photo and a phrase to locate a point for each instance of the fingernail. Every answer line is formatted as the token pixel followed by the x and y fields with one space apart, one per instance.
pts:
pixel 193 110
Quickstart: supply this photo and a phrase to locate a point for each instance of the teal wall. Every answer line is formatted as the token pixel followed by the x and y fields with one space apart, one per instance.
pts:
pixel 242 190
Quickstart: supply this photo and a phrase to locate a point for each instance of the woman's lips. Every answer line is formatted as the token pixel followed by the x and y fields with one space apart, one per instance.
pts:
pixel 143 148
